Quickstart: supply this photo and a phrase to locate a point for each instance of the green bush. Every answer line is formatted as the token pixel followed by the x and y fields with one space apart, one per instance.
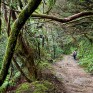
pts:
pixel 23 87
pixel 34 87
pixel 85 54
pixel 3 87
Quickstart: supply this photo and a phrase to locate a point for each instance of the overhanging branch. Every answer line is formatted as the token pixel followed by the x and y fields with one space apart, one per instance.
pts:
pixel 64 20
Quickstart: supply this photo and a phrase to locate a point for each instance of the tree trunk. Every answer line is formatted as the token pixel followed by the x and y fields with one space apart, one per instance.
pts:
pixel 28 53
pixel 0 17
pixel 18 24
pixel 18 67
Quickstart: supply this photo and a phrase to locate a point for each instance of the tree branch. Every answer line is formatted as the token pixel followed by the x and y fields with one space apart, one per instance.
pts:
pixel 16 27
pixel 64 20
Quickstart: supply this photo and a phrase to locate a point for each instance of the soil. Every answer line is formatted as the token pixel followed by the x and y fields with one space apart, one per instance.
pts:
pixel 73 77
pixel 66 76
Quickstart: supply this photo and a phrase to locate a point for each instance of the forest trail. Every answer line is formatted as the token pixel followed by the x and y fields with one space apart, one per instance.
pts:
pixel 75 79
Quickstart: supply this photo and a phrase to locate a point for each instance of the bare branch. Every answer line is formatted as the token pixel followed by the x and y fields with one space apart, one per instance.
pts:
pixel 64 20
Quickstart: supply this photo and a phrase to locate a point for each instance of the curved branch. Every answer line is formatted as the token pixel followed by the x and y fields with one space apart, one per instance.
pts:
pixel 64 20
pixel 18 24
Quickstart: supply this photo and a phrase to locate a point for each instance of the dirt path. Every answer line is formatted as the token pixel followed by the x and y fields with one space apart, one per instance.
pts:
pixel 76 80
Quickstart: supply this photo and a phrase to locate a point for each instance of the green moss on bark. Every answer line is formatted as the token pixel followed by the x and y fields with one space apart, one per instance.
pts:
pixel 18 24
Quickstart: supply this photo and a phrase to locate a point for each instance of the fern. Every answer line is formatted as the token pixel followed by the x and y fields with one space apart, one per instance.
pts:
pixel 51 4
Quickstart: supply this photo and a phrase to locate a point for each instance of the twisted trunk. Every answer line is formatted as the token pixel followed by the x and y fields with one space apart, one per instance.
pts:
pixel 18 24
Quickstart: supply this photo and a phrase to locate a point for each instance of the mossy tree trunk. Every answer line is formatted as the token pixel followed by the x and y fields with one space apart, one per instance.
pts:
pixel 28 52
pixel 18 24
pixel 18 67
pixel 0 16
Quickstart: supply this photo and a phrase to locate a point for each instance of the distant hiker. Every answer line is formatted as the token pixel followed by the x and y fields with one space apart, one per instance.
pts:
pixel 75 54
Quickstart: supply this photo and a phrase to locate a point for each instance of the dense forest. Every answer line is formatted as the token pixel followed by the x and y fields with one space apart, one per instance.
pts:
pixel 37 41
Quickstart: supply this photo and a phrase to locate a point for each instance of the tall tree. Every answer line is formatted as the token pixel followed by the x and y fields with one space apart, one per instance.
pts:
pixel 17 25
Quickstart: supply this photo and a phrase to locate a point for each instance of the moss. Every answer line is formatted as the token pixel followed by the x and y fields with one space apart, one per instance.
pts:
pixel 15 79
pixel 47 84
pixel 23 87
pixel 3 87
pixel 18 24
pixel 35 87
pixel 42 87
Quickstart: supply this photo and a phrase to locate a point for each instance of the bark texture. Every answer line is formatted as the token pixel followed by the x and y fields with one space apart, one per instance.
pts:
pixel 18 24
pixel 64 20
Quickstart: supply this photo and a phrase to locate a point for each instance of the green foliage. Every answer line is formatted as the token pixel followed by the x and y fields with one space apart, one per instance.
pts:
pixel 12 82
pixel 59 51
pixel 87 62
pixel 51 4
pixel 34 87
pixel 85 53
pixel 23 87
pixel 43 64
pixel 57 39
pixel 42 87
pixel 39 88
pixel 15 79
pixel 3 87
pixel 3 42
pixel 68 48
